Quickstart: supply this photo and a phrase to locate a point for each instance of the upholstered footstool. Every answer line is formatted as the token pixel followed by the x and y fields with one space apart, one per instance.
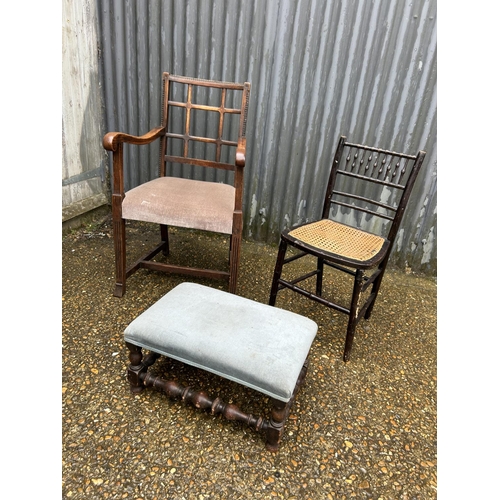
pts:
pixel 255 345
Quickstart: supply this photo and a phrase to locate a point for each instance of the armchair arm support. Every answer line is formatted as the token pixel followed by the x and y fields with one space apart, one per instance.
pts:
pixel 240 154
pixel 112 139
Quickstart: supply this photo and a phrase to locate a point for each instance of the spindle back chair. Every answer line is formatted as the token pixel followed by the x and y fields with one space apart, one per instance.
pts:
pixel 366 195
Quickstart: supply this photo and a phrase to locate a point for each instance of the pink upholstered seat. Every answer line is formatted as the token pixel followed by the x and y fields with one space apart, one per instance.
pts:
pixel 180 202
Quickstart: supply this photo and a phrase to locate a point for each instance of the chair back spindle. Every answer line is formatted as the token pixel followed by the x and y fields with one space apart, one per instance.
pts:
pixel 368 185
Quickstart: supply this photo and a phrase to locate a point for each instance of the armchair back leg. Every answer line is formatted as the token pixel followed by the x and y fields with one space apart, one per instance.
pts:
pixel 164 239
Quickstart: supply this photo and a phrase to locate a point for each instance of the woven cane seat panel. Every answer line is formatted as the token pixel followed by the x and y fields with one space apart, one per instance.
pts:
pixel 339 239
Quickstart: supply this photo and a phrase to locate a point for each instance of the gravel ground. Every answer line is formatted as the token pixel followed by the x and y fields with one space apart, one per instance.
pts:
pixel 362 429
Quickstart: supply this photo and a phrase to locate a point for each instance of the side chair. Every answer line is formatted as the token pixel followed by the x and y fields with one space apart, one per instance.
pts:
pixel 365 199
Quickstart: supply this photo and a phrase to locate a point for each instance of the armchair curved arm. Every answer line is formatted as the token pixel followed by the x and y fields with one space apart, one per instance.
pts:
pixel 112 139
pixel 240 154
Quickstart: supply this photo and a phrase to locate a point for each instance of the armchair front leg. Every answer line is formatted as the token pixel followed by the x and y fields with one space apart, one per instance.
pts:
pixel 114 141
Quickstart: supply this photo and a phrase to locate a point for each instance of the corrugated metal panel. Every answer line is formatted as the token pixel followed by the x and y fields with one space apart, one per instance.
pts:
pixel 318 69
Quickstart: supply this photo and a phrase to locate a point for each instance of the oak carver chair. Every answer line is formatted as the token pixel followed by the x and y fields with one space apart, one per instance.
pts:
pixel 367 186
pixel 191 107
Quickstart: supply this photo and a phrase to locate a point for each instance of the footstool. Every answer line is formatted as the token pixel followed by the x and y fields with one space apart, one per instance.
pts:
pixel 259 346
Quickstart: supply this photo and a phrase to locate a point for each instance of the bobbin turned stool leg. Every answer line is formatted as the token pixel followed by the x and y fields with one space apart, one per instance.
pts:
pixel 276 425
pixel 279 414
pixel 138 367
pixel 135 368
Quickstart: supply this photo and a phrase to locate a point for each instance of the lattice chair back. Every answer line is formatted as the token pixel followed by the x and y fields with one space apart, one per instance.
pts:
pixel 205 123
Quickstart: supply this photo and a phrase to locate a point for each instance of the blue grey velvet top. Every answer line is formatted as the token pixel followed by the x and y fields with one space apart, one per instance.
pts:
pixel 256 345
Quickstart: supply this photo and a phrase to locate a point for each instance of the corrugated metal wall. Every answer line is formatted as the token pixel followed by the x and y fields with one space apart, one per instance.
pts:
pixel 318 69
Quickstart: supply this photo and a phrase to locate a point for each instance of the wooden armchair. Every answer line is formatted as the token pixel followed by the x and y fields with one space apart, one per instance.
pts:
pixel 179 201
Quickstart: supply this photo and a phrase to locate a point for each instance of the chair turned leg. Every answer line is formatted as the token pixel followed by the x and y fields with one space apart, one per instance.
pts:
pixel 164 239
pixel 120 256
pixel 319 277
pixel 277 271
pixel 349 339
pixel 353 314
pixel 374 291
